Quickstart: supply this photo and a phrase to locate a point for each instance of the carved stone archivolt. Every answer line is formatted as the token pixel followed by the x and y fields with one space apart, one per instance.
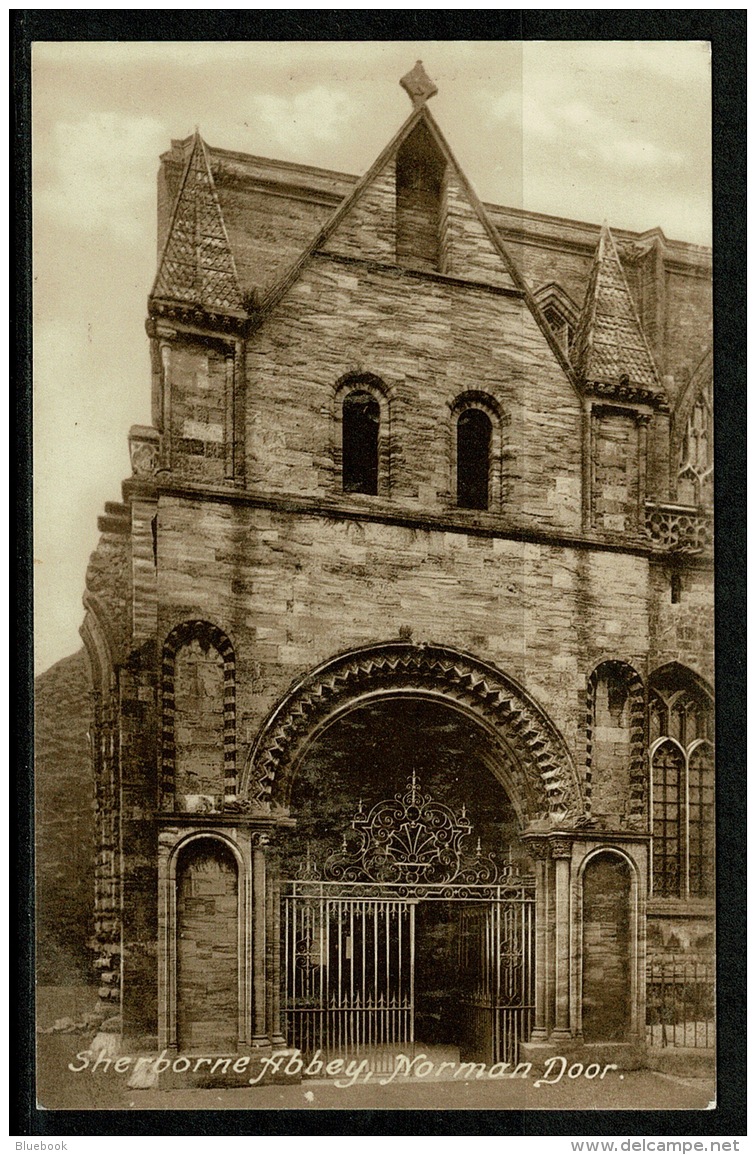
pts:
pixel 539 765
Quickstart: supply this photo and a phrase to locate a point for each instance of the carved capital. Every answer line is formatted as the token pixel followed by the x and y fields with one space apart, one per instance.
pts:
pixel 538 848
pixel 561 848
pixel 144 450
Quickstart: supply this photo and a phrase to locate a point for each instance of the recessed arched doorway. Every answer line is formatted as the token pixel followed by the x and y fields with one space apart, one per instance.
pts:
pixel 607 948
pixel 408 904
pixel 207 946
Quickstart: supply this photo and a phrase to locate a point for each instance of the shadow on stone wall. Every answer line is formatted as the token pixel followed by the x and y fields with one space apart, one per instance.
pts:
pixel 64 823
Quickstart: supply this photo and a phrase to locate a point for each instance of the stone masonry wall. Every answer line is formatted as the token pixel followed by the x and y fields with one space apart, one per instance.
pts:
pixel 198 410
pixel 293 590
pixel 429 340
pixel 683 631
pixel 615 472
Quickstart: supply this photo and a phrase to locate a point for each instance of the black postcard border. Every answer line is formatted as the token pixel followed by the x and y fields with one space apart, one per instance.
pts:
pixel 726 30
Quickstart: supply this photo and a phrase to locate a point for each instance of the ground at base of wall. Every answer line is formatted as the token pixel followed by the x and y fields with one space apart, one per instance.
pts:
pixel 686 1061
pixel 60 1088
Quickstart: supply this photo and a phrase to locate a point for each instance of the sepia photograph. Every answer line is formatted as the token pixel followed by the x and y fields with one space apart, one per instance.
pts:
pixel 374 575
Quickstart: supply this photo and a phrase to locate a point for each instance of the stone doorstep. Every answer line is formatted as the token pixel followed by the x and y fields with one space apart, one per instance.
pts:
pixel 627 1056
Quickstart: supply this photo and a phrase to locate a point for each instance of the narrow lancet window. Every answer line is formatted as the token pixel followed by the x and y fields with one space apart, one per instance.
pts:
pixel 361 417
pixel 473 459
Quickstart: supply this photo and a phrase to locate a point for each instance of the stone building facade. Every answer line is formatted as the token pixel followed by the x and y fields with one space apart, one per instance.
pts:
pixel 410 592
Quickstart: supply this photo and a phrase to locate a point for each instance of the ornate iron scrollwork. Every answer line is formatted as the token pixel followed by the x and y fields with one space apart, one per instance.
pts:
pixel 410 840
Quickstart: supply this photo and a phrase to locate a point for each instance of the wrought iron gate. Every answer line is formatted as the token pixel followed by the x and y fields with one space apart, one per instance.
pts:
pixel 349 937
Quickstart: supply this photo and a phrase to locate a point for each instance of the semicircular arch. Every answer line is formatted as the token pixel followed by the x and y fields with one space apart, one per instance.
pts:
pixel 541 774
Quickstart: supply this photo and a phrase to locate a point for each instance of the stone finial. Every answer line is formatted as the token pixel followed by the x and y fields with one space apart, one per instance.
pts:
pixel 418 85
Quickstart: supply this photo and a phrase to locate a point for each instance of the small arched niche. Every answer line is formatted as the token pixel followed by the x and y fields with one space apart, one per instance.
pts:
pixel 607 949
pixel 615 774
pixel 198 718
pixel 207 947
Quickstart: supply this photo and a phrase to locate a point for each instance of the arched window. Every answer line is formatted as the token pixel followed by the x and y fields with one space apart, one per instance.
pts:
pixel 474 433
pixel 199 719
pixel 360 426
pixel 563 330
pixel 696 458
pixel 682 773
pixel 560 311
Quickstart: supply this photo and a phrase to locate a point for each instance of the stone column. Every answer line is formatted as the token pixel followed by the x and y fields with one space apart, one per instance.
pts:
pixel 642 420
pixel 230 421
pixel 274 952
pixel 238 405
pixel 561 852
pixel 539 851
pixel 259 1016
pixel 587 502
pixel 164 337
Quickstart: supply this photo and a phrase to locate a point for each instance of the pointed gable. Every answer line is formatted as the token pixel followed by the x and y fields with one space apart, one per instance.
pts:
pixel 414 207
pixel 197 266
pixel 467 245
pixel 610 343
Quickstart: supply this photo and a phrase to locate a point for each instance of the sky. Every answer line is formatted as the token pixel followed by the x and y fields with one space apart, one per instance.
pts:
pixel 615 131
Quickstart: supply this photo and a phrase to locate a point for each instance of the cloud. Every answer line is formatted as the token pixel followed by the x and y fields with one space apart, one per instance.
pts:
pixel 97 174
pixel 317 115
pixel 581 128
pixel 640 154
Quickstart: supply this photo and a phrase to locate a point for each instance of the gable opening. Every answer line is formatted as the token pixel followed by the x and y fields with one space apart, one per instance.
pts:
pixel 420 171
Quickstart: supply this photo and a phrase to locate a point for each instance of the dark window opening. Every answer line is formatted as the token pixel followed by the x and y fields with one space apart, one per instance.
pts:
pixel 419 182
pixel 473 459
pixel 616 697
pixel 676 588
pixel 361 417
pixel 560 325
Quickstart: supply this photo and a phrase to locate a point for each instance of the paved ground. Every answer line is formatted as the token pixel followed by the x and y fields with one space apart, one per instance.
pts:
pixel 59 1088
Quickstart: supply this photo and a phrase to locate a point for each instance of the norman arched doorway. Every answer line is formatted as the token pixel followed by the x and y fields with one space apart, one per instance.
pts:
pixel 395 709
pixel 408 902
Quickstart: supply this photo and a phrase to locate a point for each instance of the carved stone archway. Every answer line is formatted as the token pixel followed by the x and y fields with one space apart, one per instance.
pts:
pixel 541 769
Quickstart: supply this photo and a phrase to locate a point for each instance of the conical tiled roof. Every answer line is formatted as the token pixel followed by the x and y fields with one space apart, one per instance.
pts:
pixel 197 266
pixel 609 343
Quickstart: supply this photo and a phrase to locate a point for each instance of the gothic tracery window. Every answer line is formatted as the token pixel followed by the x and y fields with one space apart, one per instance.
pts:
pixel 682 772
pixel 563 330
pixel 696 456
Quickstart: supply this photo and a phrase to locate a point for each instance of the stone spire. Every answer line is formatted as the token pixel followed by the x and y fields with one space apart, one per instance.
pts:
pixel 197 266
pixel 418 85
pixel 610 345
